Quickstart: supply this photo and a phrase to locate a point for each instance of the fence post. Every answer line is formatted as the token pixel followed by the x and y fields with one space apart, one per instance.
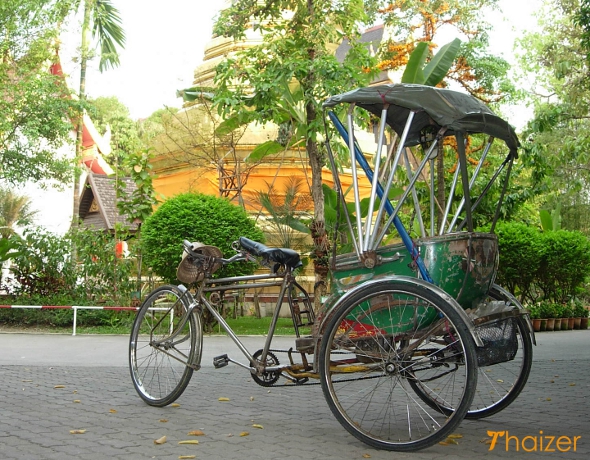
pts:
pixel 75 319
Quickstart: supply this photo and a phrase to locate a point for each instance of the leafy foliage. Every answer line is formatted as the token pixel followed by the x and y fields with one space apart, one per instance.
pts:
pixel 557 137
pixel 110 113
pixel 44 268
pixel 551 266
pixel 139 205
pixel 35 106
pixel 195 217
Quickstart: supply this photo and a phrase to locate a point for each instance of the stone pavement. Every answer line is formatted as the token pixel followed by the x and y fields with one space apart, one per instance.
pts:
pixel 52 384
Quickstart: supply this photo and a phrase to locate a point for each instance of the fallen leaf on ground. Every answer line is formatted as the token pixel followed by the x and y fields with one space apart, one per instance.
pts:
pixel 244 433
pixel 486 441
pixel 113 411
pixel 59 386
pixel 161 440
pixel 572 384
pixel 366 456
pixel 188 456
pixel 175 405
pixel 193 441
pixel 163 420
pixel 196 433
pixel 77 431
pixel 223 399
pixel 455 436
pixel 256 425
pixel 77 400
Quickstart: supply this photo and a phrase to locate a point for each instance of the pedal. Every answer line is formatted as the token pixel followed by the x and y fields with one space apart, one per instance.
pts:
pixel 220 361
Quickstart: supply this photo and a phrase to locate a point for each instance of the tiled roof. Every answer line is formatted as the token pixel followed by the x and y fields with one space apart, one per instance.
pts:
pixel 98 203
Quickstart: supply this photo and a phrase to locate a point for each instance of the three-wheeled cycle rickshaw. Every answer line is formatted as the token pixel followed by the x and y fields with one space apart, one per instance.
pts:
pixel 415 335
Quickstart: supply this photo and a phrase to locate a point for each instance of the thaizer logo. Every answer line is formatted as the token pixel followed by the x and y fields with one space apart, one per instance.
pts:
pixel 503 440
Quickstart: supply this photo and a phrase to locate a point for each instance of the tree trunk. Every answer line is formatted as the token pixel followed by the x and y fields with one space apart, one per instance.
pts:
pixel 318 228
pixel 82 97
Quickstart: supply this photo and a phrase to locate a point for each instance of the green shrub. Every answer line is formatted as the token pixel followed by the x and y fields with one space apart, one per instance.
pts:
pixel 564 264
pixel 44 271
pixel 195 217
pixel 520 256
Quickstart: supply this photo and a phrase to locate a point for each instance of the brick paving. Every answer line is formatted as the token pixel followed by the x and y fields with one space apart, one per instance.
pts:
pixel 41 403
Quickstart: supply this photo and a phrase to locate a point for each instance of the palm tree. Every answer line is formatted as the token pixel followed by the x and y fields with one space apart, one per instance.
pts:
pixel 14 210
pixel 104 21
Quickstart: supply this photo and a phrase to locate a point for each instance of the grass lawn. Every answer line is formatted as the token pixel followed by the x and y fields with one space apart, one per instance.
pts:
pixel 246 325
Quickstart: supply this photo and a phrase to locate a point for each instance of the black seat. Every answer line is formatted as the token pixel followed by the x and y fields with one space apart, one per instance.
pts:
pixel 283 256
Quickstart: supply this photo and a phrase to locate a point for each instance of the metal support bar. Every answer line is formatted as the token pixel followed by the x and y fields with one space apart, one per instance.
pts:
pixel 351 149
pixel 471 182
pixel 385 193
pixel 464 179
pixel 388 206
pixel 414 194
pixel 375 181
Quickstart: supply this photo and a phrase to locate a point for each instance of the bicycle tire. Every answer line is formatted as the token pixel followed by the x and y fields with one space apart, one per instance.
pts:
pixel 376 342
pixel 161 367
pixel 498 385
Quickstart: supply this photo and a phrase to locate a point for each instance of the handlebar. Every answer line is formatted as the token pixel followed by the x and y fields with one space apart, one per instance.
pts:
pixel 188 247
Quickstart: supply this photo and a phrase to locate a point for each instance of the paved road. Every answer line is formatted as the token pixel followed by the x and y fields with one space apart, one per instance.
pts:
pixel 51 384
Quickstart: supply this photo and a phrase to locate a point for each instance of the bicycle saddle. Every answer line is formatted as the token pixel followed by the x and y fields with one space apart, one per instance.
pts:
pixel 283 256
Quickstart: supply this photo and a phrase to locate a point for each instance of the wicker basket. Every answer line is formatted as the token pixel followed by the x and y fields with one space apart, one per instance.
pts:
pixel 192 269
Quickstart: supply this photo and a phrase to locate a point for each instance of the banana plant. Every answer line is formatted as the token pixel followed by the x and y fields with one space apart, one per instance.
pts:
pixel 436 69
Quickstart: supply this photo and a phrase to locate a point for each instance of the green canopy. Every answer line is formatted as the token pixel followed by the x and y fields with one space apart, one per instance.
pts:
pixel 434 108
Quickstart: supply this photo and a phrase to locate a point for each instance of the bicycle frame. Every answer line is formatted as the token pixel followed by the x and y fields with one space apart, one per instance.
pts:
pixel 287 283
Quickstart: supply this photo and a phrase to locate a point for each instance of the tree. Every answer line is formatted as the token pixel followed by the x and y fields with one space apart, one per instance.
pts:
pixel 193 136
pixel 412 22
pixel 35 104
pixel 558 141
pixel 297 50
pixel 15 210
pixel 103 19
pixel 111 115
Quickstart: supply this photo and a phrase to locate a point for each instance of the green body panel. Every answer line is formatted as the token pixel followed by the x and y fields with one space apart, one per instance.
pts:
pixel 463 264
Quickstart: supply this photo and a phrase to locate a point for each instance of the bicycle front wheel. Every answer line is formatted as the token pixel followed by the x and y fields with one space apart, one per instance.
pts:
pixel 165 346
pixel 383 338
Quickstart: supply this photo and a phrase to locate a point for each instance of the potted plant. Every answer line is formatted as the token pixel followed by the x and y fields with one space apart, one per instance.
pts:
pixel 578 311
pixel 535 313
pixel 569 314
pixel 584 317
pixel 547 311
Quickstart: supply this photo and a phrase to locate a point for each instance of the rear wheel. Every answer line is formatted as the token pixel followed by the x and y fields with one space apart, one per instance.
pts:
pixel 383 338
pixel 498 384
pixel 165 346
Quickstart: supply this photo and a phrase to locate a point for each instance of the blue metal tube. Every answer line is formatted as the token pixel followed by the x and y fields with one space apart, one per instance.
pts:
pixel 399 226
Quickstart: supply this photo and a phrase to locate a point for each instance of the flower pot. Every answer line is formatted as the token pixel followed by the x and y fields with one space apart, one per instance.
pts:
pixel 557 326
pixel 536 325
pixel 543 324
pixel 550 324
pixel 564 324
pixel 570 323
pixel 584 323
pixel 577 322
